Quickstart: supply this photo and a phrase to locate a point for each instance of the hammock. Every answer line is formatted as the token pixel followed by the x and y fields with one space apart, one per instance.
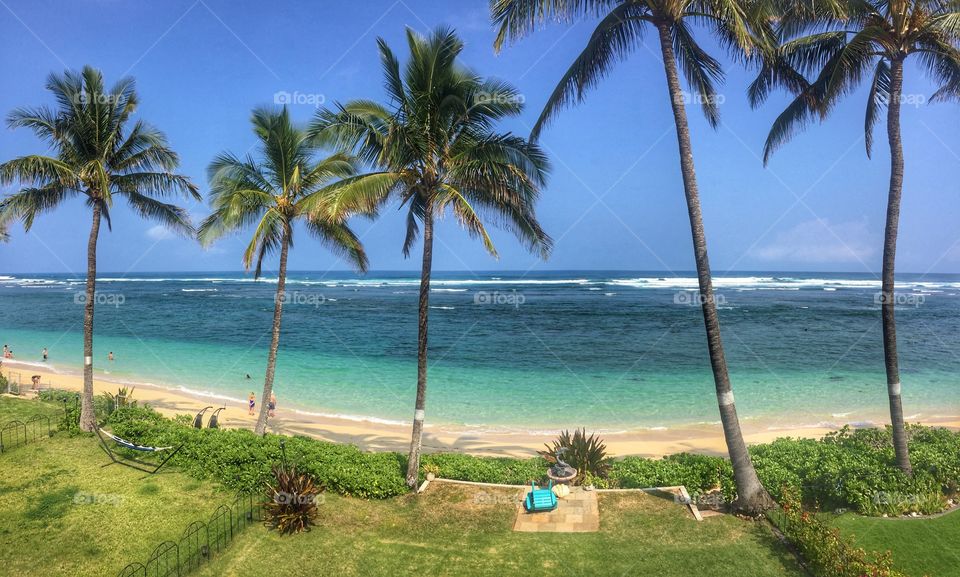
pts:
pixel 134 446
pixel 144 466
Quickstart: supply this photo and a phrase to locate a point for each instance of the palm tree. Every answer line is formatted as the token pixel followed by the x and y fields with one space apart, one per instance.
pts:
pixel 841 42
pixel 287 184
pixel 434 148
pixel 622 23
pixel 98 157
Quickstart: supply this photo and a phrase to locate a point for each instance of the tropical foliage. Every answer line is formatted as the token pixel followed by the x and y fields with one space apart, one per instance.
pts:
pixel 99 156
pixel 586 454
pixel 434 148
pixel 839 44
pixel 739 26
pixel 286 185
pixel 292 504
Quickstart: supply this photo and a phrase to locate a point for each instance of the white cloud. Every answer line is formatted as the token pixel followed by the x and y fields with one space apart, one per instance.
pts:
pixel 820 241
pixel 159 232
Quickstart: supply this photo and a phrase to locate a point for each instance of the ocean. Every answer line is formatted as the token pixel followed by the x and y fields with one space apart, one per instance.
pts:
pixel 609 351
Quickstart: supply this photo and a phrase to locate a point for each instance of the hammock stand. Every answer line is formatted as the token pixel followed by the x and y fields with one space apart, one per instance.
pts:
pixel 144 466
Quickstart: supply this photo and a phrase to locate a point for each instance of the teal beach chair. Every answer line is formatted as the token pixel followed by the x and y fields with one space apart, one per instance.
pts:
pixel 539 500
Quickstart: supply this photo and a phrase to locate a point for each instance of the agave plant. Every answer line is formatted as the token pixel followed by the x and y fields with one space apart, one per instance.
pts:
pixel 588 455
pixel 293 500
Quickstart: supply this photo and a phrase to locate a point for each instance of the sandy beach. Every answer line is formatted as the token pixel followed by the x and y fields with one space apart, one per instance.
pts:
pixel 375 436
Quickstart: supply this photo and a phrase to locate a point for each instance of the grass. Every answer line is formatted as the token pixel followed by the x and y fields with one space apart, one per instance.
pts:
pixel 458 530
pixel 21 409
pixel 921 547
pixel 62 514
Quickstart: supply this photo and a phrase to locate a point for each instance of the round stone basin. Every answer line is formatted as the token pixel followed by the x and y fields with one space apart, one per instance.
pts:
pixel 563 476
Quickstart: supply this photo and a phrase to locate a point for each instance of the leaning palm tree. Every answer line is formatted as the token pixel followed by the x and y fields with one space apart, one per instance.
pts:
pixel 286 185
pixel 434 148
pixel 97 156
pixel 4 235
pixel 622 24
pixel 839 43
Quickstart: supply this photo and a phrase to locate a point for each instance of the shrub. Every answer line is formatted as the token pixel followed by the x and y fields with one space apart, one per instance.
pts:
pixel 700 474
pixel 70 401
pixel 825 551
pixel 292 507
pixel 583 453
pixel 241 460
pixel 501 470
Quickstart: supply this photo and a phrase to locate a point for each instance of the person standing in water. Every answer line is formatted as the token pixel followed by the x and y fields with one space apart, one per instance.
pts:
pixel 252 402
pixel 110 356
pixel 44 353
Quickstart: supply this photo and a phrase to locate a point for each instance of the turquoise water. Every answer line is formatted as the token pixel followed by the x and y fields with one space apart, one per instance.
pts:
pixel 609 351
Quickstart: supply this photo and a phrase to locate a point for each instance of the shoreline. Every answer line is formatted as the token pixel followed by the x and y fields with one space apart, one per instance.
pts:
pixel 381 435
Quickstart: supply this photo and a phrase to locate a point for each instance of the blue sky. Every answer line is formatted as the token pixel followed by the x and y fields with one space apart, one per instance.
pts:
pixel 614 200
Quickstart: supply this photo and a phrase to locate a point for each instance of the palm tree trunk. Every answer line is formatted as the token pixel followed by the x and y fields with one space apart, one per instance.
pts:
pixel 275 338
pixel 888 302
pixel 752 498
pixel 416 439
pixel 88 419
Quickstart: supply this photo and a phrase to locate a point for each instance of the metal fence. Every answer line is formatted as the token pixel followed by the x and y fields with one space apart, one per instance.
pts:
pixel 200 542
pixel 16 433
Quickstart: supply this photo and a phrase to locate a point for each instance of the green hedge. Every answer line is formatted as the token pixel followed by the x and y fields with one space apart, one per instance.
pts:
pixel 241 461
pixel 847 469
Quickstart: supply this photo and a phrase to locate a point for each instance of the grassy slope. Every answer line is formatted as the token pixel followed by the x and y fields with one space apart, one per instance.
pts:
pixel 21 409
pixel 465 531
pixel 46 529
pixel 920 546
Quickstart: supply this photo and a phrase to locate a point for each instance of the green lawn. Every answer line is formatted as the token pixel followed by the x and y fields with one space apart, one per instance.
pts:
pixel 920 546
pixel 458 530
pixel 21 409
pixel 62 514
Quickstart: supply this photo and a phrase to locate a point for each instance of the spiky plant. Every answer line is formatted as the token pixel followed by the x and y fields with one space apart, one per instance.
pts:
pixel 293 500
pixel 587 454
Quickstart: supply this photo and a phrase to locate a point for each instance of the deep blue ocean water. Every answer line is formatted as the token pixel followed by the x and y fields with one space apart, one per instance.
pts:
pixel 606 350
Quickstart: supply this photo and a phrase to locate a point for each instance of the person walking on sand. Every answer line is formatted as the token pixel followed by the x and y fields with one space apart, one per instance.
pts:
pixel 272 405
pixel 44 353
pixel 252 402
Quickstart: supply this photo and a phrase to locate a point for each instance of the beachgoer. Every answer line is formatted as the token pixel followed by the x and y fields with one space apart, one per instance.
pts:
pixel 35 379
pixel 44 353
pixel 248 376
pixel 110 356
pixel 252 401
pixel 272 405
pixel 6 350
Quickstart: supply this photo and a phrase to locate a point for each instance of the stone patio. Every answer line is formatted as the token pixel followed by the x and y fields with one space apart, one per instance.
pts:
pixel 576 513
